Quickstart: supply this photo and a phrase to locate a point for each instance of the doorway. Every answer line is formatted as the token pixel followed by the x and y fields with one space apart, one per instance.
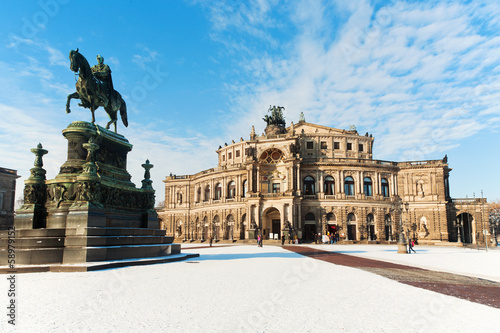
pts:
pixel 351 232
pixel 309 232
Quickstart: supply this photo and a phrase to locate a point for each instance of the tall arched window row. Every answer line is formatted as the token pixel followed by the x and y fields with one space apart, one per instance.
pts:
pixel 385 188
pixel 309 186
pixel 329 185
pixel 207 193
pixel 231 190
pixel 367 186
pixel 349 185
pixel 198 194
pixel 218 191
pixel 245 188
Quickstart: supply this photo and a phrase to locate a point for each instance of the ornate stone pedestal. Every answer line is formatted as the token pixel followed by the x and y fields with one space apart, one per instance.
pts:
pixel 90 211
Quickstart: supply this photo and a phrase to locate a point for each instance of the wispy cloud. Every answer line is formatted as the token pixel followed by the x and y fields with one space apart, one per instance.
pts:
pixel 408 72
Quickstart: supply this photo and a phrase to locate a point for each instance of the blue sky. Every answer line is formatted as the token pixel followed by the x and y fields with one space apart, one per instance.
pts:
pixel 422 76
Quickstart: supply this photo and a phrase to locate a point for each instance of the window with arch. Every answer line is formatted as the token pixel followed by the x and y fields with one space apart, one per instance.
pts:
pixel 207 193
pixel 245 188
pixel 218 191
pixel 231 190
pixel 198 194
pixel 329 185
pixel 309 185
pixel 310 217
pixel 351 218
pixel 385 188
pixel 367 186
pixel 369 219
pixel 330 217
pixel 349 185
pixel 271 156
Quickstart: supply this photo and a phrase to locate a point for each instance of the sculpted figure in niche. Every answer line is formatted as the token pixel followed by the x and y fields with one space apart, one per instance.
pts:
pixel 420 189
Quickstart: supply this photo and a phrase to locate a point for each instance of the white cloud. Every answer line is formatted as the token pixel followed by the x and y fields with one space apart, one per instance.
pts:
pixel 422 61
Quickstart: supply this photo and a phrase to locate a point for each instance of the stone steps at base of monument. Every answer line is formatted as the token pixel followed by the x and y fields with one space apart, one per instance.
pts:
pixel 94 266
pixel 90 231
pixel 20 233
pixel 115 240
pixel 113 231
pixel 52 242
pixel 80 254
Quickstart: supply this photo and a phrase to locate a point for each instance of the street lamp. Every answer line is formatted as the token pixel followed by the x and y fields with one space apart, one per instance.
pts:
pixel 459 235
pixel 401 241
pixel 495 224
pixel 231 224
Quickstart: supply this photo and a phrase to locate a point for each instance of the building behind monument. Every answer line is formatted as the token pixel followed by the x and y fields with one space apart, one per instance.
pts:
pixel 308 180
pixel 7 197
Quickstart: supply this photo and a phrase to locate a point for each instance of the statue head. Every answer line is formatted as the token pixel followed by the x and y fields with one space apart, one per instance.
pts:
pixel 100 59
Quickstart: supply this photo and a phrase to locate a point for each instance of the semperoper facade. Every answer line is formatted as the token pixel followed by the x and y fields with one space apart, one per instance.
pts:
pixel 307 179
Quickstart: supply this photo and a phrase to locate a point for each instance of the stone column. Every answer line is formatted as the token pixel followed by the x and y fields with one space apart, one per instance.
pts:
pixel 33 213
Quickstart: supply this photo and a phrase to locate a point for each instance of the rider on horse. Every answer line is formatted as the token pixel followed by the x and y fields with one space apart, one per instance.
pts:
pixel 102 73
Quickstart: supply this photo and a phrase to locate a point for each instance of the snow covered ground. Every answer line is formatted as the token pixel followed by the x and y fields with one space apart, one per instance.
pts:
pixel 251 289
pixel 458 260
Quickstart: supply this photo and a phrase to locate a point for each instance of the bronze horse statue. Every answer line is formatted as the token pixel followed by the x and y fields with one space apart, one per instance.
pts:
pixel 91 92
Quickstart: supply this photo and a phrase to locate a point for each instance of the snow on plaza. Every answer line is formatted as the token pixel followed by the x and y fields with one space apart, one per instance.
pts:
pixel 245 288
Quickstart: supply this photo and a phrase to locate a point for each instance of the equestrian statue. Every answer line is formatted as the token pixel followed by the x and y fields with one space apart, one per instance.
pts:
pixel 94 88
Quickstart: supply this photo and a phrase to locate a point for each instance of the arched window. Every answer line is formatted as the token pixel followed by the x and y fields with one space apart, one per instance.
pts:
pixel 245 188
pixel 369 218
pixel 207 193
pixel 367 186
pixel 309 186
pixel 385 188
pixel 349 185
pixel 330 217
pixel 231 190
pixel 218 191
pixel 329 185
pixel 310 217
pixel 351 218
pixel 271 156
pixel 198 194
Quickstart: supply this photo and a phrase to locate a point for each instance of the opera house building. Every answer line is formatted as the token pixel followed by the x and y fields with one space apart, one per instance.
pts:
pixel 308 180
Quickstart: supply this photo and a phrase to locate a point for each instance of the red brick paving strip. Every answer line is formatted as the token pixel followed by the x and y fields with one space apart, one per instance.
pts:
pixel 469 288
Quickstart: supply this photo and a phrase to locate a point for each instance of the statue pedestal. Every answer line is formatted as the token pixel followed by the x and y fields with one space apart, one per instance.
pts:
pixel 90 211
pixel 252 233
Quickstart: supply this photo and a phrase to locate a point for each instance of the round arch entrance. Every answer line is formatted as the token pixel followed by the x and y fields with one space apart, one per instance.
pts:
pixel 271 223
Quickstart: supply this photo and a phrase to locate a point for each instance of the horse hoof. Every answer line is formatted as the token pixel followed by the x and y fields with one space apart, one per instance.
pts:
pixel 68 111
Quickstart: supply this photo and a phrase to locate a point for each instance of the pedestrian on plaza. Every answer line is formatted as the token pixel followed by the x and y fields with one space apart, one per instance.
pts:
pixel 282 240
pixel 411 244
pixel 211 239
pixel 258 240
pixel 289 238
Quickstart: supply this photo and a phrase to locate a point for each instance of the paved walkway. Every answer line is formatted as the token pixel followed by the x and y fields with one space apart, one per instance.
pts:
pixel 473 289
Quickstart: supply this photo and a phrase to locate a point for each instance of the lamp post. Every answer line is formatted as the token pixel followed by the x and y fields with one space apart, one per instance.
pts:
pixel 495 224
pixel 401 241
pixel 231 225
pixel 459 235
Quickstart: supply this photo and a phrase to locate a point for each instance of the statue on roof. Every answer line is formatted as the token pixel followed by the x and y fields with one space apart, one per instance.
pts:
pixel 276 117
pixel 301 117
